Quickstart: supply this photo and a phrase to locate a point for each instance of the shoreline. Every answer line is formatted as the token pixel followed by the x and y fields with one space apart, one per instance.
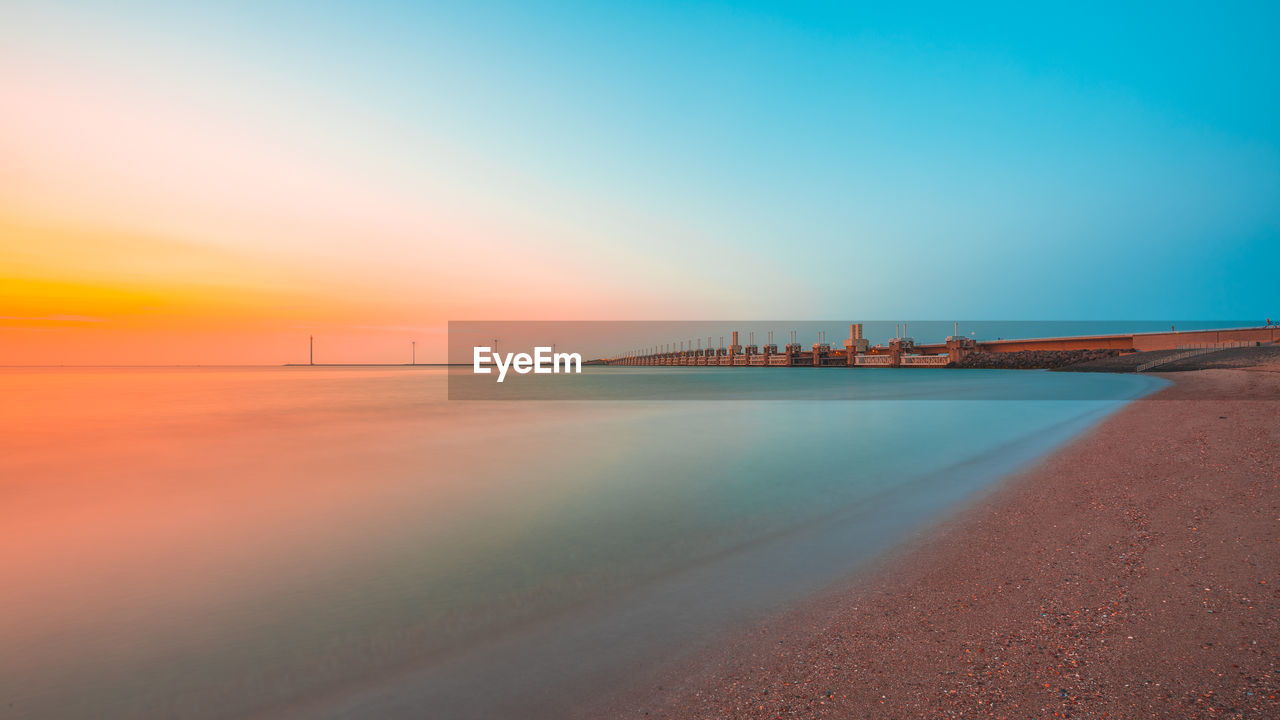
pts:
pixel 1131 573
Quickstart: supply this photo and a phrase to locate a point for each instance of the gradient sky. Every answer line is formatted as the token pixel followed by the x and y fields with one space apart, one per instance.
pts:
pixel 214 184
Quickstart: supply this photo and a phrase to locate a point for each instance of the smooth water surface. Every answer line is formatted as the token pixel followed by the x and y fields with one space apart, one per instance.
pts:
pixel 339 542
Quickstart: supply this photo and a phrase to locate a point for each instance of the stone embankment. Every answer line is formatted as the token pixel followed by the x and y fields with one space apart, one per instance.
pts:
pixel 1032 359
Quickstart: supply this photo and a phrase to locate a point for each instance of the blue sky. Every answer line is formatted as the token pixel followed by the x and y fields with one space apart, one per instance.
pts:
pixel 829 160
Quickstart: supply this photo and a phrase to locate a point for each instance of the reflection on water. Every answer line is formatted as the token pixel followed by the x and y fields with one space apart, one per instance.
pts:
pixel 220 542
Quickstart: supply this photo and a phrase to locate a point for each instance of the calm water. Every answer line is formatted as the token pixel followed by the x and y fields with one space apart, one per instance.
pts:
pixel 311 542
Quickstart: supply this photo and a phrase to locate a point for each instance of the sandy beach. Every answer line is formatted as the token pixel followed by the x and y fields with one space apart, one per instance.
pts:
pixel 1131 574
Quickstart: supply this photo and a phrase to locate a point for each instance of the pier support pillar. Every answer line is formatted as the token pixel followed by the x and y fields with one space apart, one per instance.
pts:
pixel 958 348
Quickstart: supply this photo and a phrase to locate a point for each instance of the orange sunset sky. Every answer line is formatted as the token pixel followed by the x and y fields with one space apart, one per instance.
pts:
pixel 203 185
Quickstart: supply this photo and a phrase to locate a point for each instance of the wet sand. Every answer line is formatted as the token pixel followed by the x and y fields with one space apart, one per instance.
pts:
pixel 1132 574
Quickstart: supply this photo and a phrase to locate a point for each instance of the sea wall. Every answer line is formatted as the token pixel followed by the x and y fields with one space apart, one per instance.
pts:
pixel 1031 359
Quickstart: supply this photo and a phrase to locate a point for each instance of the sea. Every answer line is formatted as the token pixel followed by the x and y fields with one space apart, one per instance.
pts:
pixel 336 542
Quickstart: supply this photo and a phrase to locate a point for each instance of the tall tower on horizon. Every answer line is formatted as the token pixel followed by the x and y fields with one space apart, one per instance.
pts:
pixel 311 349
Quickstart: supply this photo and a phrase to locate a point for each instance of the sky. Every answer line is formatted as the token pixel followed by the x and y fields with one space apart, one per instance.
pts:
pixel 215 183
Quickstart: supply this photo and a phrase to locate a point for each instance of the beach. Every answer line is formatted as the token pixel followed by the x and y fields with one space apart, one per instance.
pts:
pixel 1131 574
